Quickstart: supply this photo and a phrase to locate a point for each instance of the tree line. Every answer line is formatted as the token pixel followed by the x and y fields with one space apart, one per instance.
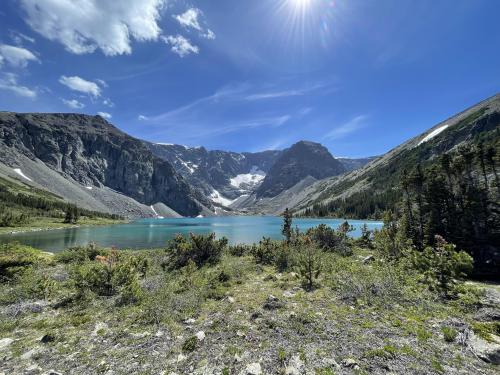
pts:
pixel 17 208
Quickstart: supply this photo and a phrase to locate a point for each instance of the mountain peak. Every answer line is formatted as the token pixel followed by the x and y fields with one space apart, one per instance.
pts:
pixel 303 159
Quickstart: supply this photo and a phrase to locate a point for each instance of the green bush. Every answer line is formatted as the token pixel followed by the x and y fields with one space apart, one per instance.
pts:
pixel 309 264
pixel 16 258
pixel 391 241
pixel 442 267
pixel 331 240
pixel 265 252
pixel 201 249
pixel 80 254
pixel 240 250
pixel 283 257
pixel 449 334
pixel 190 344
pixel 110 276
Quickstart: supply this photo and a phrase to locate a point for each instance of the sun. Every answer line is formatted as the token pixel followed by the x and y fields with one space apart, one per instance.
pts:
pixel 301 4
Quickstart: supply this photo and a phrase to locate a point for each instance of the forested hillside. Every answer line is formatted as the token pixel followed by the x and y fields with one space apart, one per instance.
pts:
pixel 22 205
pixel 377 188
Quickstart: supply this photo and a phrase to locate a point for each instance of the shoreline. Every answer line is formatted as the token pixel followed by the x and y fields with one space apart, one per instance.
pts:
pixel 19 230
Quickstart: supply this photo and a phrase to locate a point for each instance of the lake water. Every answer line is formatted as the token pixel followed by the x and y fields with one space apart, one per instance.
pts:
pixel 154 233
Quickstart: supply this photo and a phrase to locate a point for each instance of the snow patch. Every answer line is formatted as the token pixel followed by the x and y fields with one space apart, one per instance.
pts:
pixel 191 169
pixel 218 198
pixel 88 187
pixel 433 133
pixel 165 144
pixel 200 216
pixel 156 213
pixel 20 173
pixel 253 178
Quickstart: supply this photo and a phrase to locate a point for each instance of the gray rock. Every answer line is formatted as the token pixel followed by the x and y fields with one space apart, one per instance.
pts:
pixel 487 351
pixel 5 342
pixel 253 369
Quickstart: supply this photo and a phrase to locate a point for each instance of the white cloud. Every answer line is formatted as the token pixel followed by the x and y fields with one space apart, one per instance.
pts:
pixel 105 115
pixel 83 26
pixel 180 45
pixel 191 19
pixel 108 102
pixel 347 128
pixel 9 82
pixel 73 103
pixel 81 85
pixel 209 34
pixel 142 118
pixel 16 56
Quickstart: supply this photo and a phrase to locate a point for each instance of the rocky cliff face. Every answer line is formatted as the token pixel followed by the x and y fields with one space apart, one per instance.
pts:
pixel 301 160
pixel 93 152
pixel 230 174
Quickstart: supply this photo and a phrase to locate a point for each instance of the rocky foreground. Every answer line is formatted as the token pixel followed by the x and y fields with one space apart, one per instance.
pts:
pixel 91 311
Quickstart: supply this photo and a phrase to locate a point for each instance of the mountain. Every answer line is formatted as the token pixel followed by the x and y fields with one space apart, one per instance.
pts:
pixel 368 191
pixel 301 160
pixel 88 161
pixel 221 175
pixel 351 164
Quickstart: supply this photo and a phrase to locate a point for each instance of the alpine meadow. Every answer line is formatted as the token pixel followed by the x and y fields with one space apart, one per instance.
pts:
pixel 290 187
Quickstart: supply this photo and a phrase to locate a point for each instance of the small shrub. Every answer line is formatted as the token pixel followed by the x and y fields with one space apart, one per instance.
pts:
pixel 442 266
pixel 80 254
pixel 109 276
pixel 201 249
pixel 16 258
pixel 328 239
pixel 190 344
pixel 265 252
pixel 309 264
pixel 283 258
pixel 449 334
pixel 239 250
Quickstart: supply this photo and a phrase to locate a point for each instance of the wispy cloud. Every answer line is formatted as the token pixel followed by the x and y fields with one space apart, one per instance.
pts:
pixel 350 126
pixel 9 82
pixel 181 45
pixel 73 103
pixel 307 89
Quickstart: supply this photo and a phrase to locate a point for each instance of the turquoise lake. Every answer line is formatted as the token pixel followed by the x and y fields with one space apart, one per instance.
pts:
pixel 154 233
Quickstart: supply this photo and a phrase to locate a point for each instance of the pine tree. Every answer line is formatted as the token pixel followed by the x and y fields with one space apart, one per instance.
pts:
pixel 286 230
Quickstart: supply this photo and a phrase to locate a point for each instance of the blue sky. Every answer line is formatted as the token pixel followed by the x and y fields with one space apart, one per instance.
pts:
pixel 359 77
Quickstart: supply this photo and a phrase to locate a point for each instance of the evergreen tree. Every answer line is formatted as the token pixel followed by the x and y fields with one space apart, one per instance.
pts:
pixel 286 229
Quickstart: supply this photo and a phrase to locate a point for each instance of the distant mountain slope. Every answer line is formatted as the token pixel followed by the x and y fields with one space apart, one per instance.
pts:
pixel 351 164
pixel 301 160
pixel 367 192
pixel 221 175
pixel 81 152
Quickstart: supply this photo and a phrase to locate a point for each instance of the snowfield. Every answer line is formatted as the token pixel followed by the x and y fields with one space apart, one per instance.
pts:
pixel 248 179
pixel 218 198
pixel 432 134
pixel 20 173
pixel 156 213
